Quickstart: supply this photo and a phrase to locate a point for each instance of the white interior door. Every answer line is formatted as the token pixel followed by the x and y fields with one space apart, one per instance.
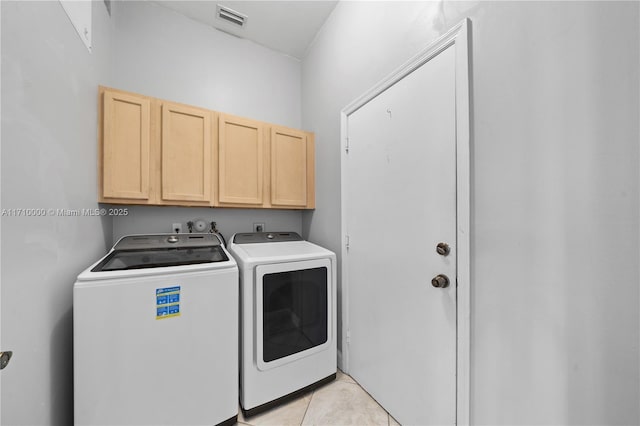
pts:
pixel 0 343
pixel 400 204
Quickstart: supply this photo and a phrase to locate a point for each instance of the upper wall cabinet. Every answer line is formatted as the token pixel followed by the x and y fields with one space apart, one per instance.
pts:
pixel 157 152
pixel 124 147
pixel 264 166
pixel 292 168
pixel 241 161
pixel 186 154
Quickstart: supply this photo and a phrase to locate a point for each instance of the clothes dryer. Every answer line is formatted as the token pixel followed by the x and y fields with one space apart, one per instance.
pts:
pixel 288 317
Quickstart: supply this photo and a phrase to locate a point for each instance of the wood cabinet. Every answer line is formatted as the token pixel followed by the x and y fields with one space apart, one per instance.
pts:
pixel 186 153
pixel 124 147
pixel 241 161
pixel 264 166
pixel 292 168
pixel 157 152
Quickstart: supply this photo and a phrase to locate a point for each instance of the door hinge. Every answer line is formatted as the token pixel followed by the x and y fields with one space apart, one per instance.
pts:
pixel 348 339
pixel 346 242
pixel 346 146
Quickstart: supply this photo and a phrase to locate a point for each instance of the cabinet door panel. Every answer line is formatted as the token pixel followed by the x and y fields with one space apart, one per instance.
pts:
pixel 288 167
pixel 186 153
pixel 241 161
pixel 126 143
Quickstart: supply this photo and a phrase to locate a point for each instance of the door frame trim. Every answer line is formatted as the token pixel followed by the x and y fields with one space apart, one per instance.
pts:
pixel 460 36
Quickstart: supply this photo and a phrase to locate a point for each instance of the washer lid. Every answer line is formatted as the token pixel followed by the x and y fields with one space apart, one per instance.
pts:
pixel 124 260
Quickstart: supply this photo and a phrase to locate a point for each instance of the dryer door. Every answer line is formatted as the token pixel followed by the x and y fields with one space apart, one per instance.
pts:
pixel 293 311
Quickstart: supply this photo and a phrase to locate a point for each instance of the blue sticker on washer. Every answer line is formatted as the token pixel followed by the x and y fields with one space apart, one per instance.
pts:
pixel 167 302
pixel 166 290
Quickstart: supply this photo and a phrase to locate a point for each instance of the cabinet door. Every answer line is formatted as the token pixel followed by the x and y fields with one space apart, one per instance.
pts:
pixel 186 154
pixel 241 161
pixel 291 175
pixel 125 146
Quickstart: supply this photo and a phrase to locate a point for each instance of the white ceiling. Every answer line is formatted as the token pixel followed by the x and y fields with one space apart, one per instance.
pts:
pixel 285 26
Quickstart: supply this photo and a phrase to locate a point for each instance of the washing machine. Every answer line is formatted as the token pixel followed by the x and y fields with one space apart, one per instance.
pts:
pixel 287 317
pixel 155 333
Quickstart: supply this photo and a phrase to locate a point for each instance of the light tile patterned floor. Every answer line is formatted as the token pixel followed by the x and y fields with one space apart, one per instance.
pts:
pixel 341 402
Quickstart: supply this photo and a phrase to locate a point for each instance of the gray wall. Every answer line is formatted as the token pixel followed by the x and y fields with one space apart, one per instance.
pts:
pixel 555 188
pixel 146 219
pixel 160 53
pixel 49 132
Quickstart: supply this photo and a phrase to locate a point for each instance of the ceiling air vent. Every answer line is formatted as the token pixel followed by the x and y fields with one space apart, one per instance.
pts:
pixel 231 15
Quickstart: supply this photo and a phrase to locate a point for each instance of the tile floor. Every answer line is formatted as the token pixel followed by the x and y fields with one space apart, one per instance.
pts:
pixel 341 402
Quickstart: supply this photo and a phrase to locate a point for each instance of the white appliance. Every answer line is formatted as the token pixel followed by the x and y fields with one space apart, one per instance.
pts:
pixel 155 331
pixel 287 317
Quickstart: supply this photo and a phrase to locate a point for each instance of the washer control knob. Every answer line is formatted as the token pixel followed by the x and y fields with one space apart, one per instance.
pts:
pixel 440 281
pixel 172 239
pixel 200 225
pixel 270 236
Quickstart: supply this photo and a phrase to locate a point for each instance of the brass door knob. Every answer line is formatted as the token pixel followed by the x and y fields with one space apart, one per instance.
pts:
pixel 5 357
pixel 443 249
pixel 440 281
